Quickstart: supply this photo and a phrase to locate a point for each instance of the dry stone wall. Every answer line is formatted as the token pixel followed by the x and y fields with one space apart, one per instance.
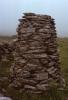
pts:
pixel 36 58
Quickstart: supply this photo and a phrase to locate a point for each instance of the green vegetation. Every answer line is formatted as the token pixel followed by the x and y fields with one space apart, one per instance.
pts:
pixel 53 93
pixel 63 46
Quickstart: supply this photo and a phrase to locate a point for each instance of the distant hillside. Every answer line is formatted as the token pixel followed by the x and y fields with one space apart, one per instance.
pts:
pixel 7 38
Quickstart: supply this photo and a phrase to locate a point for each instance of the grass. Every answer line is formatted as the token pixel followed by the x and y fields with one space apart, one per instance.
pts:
pixel 53 93
pixel 63 46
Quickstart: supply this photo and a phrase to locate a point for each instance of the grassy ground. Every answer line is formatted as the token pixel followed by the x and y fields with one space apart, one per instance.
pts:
pixel 63 46
pixel 54 93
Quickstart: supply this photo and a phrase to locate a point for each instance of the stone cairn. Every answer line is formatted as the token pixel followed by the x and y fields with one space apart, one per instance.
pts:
pixel 36 58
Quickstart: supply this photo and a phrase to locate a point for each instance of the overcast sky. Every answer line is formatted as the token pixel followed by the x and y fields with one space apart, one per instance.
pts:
pixel 12 10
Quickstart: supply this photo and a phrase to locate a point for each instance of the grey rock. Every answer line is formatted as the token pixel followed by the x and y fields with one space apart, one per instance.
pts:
pixel 5 98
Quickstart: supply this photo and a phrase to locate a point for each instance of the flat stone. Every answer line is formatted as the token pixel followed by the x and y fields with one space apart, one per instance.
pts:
pixel 36 51
pixel 29 81
pixel 43 55
pixel 30 87
pixel 42 87
pixel 41 76
pixel 43 30
pixel 51 70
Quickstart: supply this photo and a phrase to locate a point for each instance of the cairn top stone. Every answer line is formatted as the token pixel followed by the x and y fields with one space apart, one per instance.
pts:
pixel 29 14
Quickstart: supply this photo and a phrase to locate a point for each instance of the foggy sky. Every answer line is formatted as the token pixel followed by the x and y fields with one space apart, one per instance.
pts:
pixel 12 10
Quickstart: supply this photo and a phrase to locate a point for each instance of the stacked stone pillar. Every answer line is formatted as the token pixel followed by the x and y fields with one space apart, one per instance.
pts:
pixel 36 58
